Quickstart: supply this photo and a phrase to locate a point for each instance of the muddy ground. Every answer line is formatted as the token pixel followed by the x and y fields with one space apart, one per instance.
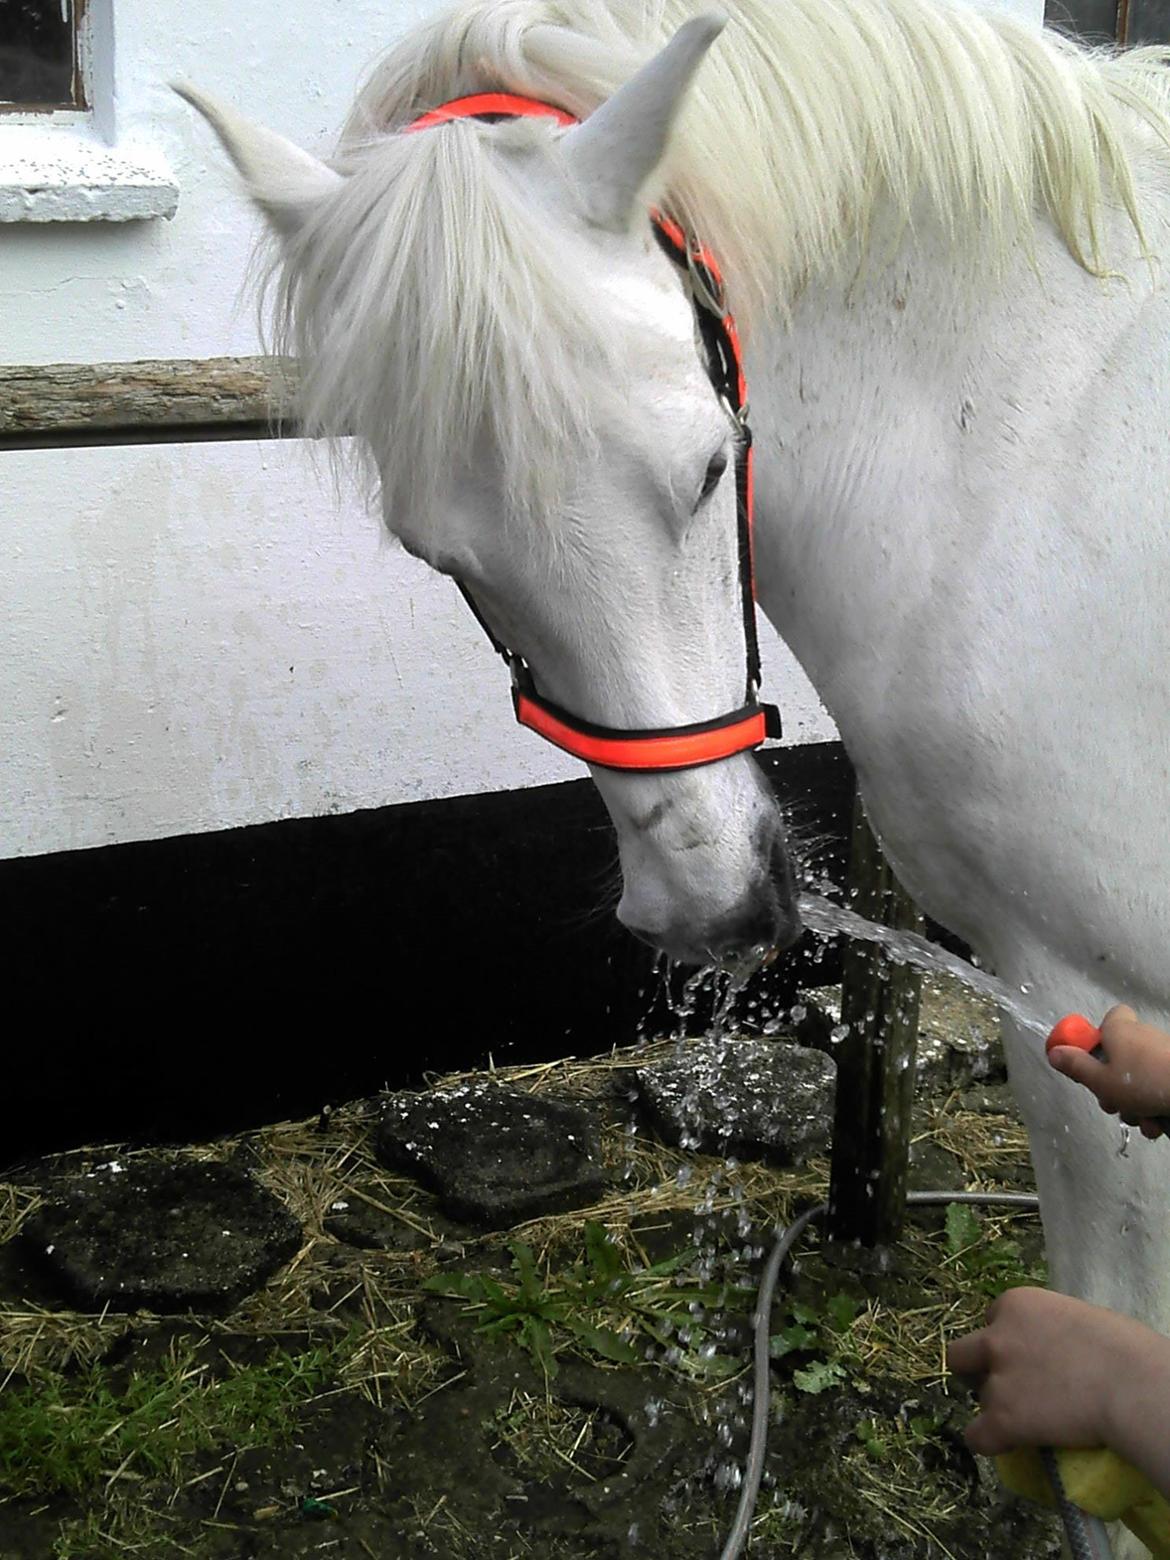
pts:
pixel 358 1407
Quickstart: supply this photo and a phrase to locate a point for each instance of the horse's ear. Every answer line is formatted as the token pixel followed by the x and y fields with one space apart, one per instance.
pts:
pixel 284 181
pixel 618 147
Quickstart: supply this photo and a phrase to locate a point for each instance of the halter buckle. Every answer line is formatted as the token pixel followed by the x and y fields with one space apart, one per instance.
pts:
pixel 737 414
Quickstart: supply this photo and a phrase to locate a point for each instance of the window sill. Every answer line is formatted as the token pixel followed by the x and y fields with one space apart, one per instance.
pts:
pixel 53 174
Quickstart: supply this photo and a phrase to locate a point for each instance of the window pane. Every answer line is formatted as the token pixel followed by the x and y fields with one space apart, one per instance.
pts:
pixel 1149 21
pixel 36 52
pixel 1091 19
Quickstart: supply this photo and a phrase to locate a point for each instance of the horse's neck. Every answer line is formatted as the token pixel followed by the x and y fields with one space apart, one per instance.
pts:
pixel 902 415
pixel 941 475
pixel 961 533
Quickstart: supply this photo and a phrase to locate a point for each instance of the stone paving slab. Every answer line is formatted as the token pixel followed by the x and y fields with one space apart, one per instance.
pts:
pixel 747 1099
pixel 494 1156
pixel 160 1235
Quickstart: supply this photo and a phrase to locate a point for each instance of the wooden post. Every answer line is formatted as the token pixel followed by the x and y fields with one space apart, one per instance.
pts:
pixel 875 1059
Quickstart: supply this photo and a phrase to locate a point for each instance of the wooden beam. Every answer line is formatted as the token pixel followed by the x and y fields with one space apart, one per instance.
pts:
pixel 61 404
pixel 875 1059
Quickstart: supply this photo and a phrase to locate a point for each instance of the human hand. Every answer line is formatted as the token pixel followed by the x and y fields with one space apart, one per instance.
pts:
pixel 1048 1370
pixel 1132 1078
pixel 1054 1371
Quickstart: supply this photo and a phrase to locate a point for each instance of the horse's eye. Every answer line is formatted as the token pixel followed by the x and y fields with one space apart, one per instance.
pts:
pixel 715 470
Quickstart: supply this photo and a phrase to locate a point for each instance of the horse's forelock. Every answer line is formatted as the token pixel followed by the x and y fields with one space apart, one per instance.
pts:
pixel 430 303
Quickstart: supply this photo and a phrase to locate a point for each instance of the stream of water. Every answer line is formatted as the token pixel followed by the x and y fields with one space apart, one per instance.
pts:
pixel 826 919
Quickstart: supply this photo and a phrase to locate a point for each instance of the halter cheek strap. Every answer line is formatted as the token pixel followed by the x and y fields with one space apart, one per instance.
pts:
pixel 668 747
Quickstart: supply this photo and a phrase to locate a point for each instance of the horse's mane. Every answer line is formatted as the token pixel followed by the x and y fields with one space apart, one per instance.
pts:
pixel 804 116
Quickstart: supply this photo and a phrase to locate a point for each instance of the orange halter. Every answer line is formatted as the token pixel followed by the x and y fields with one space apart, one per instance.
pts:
pixel 668 747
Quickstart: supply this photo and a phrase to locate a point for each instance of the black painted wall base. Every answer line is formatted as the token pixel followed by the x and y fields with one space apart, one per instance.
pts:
pixel 208 982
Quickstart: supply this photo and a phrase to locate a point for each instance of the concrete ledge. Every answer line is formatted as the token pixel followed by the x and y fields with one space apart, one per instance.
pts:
pixel 48 174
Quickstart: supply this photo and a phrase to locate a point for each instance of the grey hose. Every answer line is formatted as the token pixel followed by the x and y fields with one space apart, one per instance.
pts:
pixel 761 1383
pixel 1087 1538
pixel 1086 1535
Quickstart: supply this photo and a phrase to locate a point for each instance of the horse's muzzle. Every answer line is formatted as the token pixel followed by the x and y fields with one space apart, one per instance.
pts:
pixel 765 922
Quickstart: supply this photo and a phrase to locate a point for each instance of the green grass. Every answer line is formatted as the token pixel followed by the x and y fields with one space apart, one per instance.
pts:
pixel 123 1529
pixel 71 1431
pixel 601 1307
pixel 985 1263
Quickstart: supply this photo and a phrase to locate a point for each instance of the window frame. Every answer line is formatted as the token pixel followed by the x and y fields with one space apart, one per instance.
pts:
pixel 75 164
pixel 1127 29
pixel 80 106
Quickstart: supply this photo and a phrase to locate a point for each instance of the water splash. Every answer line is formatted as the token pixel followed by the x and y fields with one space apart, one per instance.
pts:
pixel 684 1007
pixel 826 919
pixel 734 982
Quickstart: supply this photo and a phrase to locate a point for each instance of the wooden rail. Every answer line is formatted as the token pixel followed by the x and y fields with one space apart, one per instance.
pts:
pixel 174 401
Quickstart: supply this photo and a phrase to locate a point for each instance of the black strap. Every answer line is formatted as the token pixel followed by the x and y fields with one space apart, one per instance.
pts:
pixel 723 366
pixel 498 645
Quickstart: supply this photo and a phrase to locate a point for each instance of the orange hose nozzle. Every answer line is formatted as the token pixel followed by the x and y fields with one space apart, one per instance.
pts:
pixel 1074 1029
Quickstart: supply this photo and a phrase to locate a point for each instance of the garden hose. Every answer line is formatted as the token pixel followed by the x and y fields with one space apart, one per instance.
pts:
pixel 1087 1537
pixel 761 1382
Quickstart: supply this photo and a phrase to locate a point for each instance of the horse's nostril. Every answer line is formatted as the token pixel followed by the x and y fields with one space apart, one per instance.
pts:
pixel 771 921
pixel 755 927
pixel 781 873
pixel 765 918
pixel 788 924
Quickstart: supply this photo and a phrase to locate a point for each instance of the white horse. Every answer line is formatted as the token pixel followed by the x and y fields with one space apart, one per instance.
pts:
pixel 940 232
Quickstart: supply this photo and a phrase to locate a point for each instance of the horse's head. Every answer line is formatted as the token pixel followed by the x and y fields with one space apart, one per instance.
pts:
pixel 484 305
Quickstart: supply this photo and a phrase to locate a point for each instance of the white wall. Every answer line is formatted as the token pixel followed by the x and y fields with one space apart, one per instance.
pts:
pixel 199 636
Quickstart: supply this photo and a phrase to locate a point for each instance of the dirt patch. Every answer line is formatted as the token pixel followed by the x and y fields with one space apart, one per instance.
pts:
pixel 573 1388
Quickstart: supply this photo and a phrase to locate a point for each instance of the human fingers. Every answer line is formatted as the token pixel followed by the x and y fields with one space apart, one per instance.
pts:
pixel 1119 1013
pixel 1136 1077
pixel 1076 1064
pixel 988 1437
pixel 969 1355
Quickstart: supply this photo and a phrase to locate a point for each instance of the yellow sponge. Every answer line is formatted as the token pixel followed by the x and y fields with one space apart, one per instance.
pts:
pixel 1099 1482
